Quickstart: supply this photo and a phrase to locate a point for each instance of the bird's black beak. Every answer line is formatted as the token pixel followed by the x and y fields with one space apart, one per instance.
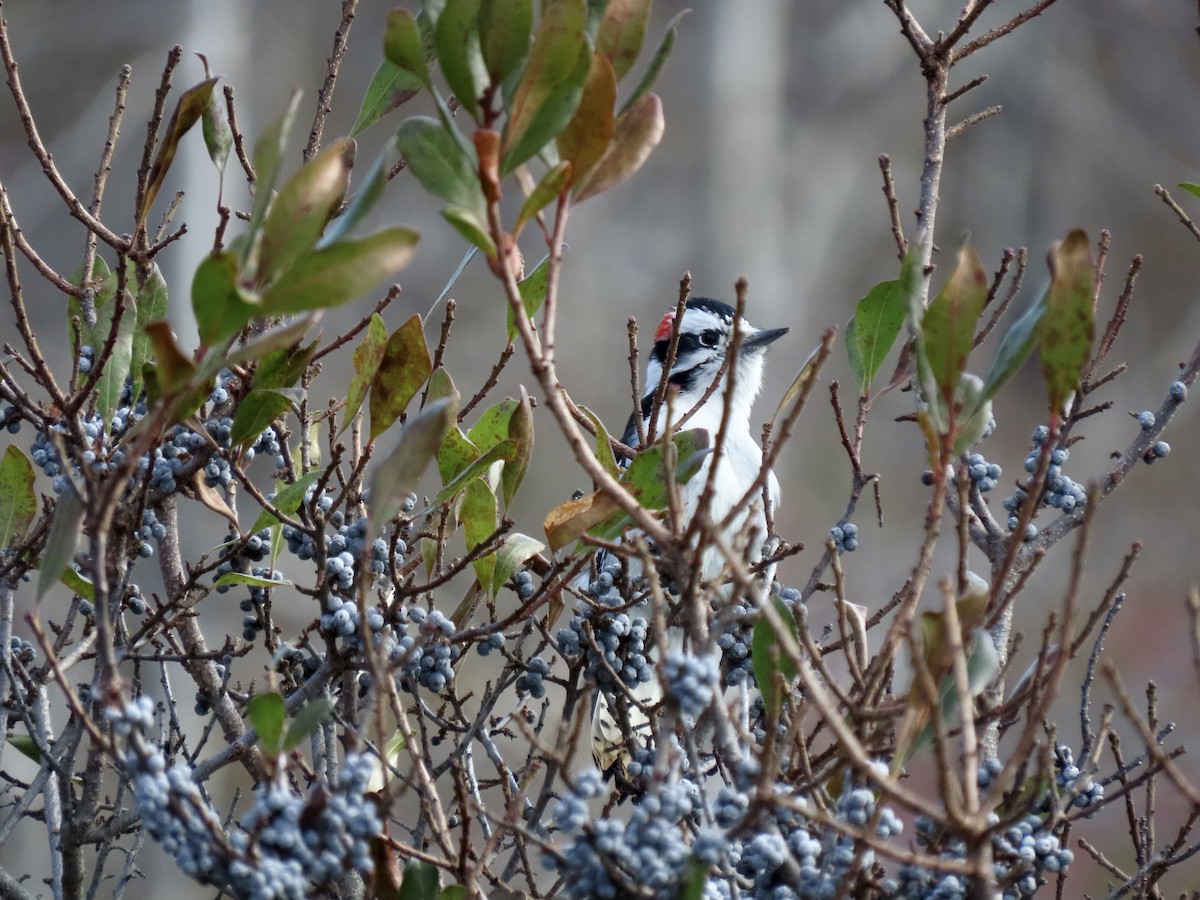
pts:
pixel 761 339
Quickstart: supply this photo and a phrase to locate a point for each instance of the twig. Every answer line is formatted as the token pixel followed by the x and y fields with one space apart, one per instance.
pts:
pixel 325 92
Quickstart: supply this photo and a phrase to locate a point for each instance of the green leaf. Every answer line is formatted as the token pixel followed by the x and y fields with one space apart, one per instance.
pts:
pixel 301 209
pixel 878 319
pixel 232 578
pixel 471 225
pixel 221 307
pixel 116 367
pixel 390 88
pixel 259 409
pixel 505 27
pixel 974 414
pixel 455 454
pixel 1068 326
pixel 440 385
pixel 657 62
pixel 480 516
pixel 398 474
pixel 151 305
pixel 1016 345
pixel 854 357
pixel 282 367
pixel 456 37
pixel 983 662
pixel 103 284
pixel 553 183
pixel 285 335
pixel 604 451
pixel 639 129
pixel 340 272
pixel 514 551
pixel 287 500
pixel 218 136
pixel 77 584
pixel 695 878
pixel 65 528
pixel 492 426
pixel 305 722
pixel 769 661
pixel 364 199
pixel 533 294
pixel 586 138
pixel 26 746
pixel 405 366
pixel 420 881
pixel 454 892
pixel 622 32
pixel 948 326
pixel 402 45
pixel 268 157
pixel 188 110
pixel 551 85
pixel 441 163
pixel 18 501
pixel 367 357
pixel 520 432
pixel 266 713
pixel 501 452
pixel 1193 189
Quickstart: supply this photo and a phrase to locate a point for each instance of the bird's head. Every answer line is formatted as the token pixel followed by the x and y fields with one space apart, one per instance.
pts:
pixel 705 339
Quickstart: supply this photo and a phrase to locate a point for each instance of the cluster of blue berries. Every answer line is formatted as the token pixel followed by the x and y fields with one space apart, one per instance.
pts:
pixel 430 657
pixel 10 420
pixel 21 650
pixel 525 585
pixel 983 474
pixel 691 681
pixel 1070 780
pixel 150 529
pixel 845 537
pixel 736 638
pixel 284 847
pixel 1060 493
pixel 531 681
pixel 621 640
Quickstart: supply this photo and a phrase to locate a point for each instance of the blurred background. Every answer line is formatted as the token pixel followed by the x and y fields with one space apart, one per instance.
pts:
pixel 776 115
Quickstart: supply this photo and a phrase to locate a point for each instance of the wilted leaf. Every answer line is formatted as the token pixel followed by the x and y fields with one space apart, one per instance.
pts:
pixel 568 522
pixel 188 110
pixel 586 138
pixel 301 209
pixel 639 129
pixel 266 713
pixel 800 384
pixel 456 37
pixel 878 319
pixel 221 307
pixel 551 85
pixel 62 539
pixel 402 44
pixel 340 272
pixel 367 357
pixel 504 30
pixel 397 475
pixel 948 326
pixel 1068 325
pixel 305 722
pixel 18 502
pixel 405 366
pixel 604 450
pixel 172 368
pixel 390 88
pixel 622 32
pixel 259 409
pixel 274 338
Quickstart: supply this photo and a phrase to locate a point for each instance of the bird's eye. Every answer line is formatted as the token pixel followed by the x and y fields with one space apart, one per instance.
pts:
pixel 710 337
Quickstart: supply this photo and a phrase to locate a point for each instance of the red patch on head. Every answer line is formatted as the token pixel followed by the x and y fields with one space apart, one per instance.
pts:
pixel 664 326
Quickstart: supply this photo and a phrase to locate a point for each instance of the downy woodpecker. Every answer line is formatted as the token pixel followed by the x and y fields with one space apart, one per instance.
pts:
pixel 706 336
